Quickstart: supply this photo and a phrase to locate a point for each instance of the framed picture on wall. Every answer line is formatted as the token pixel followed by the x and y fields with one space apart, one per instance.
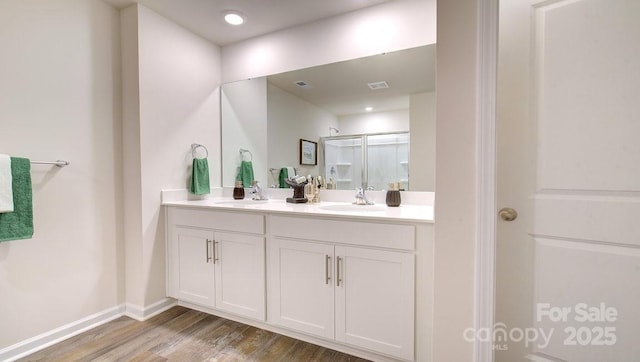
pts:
pixel 308 152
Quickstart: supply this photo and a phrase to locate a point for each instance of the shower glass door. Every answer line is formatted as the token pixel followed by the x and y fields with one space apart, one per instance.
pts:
pixel 367 160
pixel 388 160
pixel 343 160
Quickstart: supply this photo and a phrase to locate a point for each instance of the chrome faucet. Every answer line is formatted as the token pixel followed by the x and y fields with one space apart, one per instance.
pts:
pixel 256 192
pixel 361 197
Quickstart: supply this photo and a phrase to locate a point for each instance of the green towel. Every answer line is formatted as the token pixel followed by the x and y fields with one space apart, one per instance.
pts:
pixel 284 174
pixel 245 174
pixel 19 223
pixel 200 177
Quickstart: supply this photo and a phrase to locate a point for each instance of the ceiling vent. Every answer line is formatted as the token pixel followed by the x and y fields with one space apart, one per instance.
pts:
pixel 378 85
pixel 303 84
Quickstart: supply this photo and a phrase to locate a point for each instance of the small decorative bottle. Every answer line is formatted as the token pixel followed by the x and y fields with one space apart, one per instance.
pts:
pixel 330 184
pixel 309 190
pixel 393 195
pixel 238 191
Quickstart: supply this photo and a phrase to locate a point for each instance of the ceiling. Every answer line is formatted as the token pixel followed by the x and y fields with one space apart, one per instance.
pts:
pixel 204 17
pixel 341 88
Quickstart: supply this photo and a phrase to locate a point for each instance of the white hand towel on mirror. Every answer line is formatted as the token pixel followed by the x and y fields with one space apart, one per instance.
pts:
pixel 6 184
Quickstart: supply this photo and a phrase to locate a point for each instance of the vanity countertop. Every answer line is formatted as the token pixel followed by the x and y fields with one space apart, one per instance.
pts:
pixel 405 213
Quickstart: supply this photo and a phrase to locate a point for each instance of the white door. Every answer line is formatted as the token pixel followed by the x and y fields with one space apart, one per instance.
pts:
pixel 240 274
pixel 375 300
pixel 191 265
pixel 301 291
pixel 568 268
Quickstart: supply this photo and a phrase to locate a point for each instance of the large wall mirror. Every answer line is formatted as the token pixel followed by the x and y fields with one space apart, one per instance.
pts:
pixel 373 120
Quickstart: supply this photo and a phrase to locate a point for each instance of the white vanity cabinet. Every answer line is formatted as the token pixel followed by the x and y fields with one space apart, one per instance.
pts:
pixel 190 276
pixel 350 281
pixel 217 260
pixel 301 291
pixel 375 300
pixel 353 283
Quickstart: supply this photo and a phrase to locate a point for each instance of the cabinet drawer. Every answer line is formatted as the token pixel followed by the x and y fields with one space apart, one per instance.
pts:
pixel 218 220
pixel 393 236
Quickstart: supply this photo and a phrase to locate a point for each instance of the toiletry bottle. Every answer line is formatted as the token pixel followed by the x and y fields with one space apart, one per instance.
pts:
pixel 308 190
pixel 312 192
pixel 330 184
pixel 393 195
pixel 317 184
pixel 238 191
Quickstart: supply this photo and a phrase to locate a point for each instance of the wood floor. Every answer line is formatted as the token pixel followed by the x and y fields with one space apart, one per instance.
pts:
pixel 181 334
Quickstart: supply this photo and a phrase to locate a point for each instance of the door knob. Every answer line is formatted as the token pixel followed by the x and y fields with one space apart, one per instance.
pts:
pixel 508 214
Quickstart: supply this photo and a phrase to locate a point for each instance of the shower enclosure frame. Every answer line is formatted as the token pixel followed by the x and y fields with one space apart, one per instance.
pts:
pixel 364 169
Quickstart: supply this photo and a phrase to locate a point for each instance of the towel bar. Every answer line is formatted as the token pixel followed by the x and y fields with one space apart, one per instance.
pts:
pixel 59 163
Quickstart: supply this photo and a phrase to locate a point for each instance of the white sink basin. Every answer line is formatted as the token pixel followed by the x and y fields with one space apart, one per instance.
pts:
pixel 353 208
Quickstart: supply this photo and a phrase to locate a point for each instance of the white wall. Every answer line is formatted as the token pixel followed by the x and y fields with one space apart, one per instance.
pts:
pixel 131 152
pixel 179 78
pixel 455 179
pixel 422 162
pixel 244 110
pixel 60 99
pixel 374 122
pixel 390 26
pixel 290 119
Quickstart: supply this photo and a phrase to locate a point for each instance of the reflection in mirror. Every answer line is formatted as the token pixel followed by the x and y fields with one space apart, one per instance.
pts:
pixel 388 160
pixel 342 162
pixel 392 93
pixel 385 155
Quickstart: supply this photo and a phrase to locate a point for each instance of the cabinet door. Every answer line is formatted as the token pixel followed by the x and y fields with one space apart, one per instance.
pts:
pixel 375 300
pixel 301 287
pixel 191 265
pixel 240 274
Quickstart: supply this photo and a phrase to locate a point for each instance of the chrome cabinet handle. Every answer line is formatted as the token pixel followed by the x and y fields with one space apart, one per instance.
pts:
pixel 327 262
pixel 206 247
pixel 215 253
pixel 338 277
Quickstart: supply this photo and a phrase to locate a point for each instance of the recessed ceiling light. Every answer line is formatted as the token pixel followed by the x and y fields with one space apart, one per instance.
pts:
pixel 233 17
pixel 368 109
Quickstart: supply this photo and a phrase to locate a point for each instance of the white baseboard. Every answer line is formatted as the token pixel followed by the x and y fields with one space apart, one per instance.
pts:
pixel 44 340
pixel 541 357
pixel 143 313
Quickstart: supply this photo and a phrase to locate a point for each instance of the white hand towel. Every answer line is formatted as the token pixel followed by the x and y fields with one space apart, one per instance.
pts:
pixel 6 184
pixel 291 172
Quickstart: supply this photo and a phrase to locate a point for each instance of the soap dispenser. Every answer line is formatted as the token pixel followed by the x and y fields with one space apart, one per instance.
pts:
pixel 393 195
pixel 238 191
